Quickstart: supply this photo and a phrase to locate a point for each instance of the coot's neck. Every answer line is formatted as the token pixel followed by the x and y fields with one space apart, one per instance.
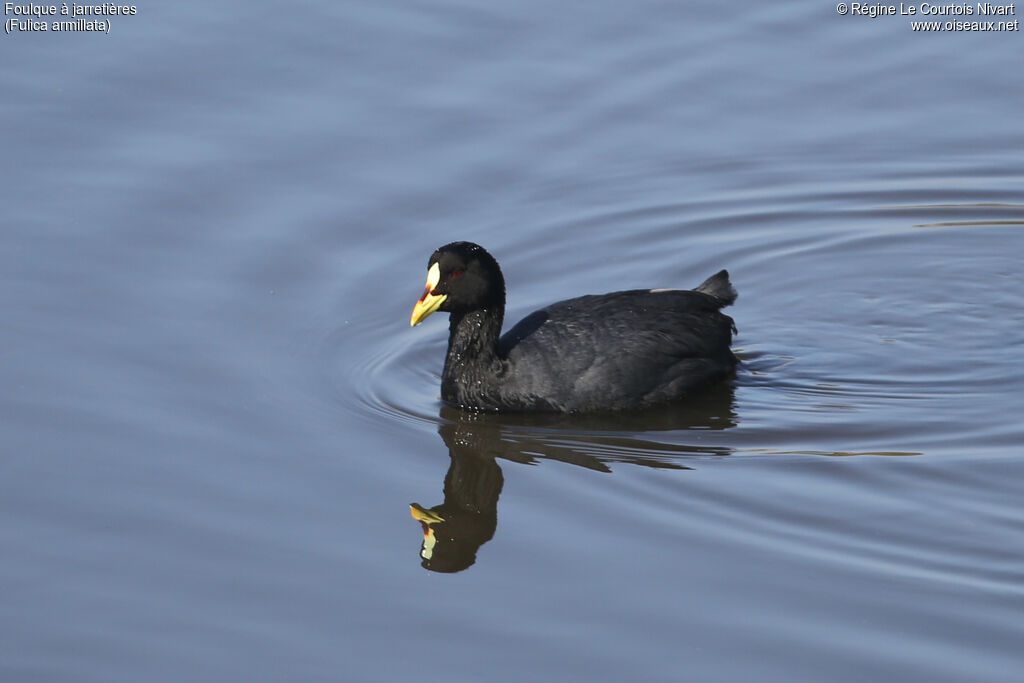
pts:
pixel 475 334
pixel 472 354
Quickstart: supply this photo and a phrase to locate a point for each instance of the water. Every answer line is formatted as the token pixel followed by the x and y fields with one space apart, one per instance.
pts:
pixel 217 219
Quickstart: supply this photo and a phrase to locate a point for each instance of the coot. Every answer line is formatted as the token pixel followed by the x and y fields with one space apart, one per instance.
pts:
pixel 615 351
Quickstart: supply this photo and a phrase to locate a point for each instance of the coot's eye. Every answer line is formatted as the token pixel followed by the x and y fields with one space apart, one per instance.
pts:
pixel 456 273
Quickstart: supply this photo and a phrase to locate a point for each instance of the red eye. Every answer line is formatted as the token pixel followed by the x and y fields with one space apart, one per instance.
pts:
pixel 456 273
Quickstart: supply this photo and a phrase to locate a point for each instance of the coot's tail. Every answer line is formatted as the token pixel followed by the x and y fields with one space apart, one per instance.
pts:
pixel 718 286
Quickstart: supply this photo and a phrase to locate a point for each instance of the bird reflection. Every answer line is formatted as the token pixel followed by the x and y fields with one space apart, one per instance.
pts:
pixel 454 530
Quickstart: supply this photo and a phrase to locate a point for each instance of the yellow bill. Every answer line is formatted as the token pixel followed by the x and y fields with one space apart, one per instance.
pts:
pixel 429 302
pixel 422 514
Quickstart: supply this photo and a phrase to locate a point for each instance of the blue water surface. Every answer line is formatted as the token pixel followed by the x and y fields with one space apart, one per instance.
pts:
pixel 216 219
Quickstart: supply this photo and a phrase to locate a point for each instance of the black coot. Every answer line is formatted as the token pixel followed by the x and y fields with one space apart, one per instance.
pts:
pixel 607 352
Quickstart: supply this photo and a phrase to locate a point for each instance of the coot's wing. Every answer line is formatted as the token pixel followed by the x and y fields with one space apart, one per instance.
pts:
pixel 620 350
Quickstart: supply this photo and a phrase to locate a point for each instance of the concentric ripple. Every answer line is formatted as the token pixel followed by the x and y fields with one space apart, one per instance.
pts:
pixel 855 339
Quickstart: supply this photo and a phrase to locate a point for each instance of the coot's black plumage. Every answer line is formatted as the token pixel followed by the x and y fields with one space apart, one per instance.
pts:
pixel 606 352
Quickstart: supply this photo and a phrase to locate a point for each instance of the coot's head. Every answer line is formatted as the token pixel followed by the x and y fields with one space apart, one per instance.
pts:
pixel 461 277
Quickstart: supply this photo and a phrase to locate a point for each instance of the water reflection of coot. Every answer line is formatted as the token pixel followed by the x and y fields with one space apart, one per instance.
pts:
pixel 454 530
